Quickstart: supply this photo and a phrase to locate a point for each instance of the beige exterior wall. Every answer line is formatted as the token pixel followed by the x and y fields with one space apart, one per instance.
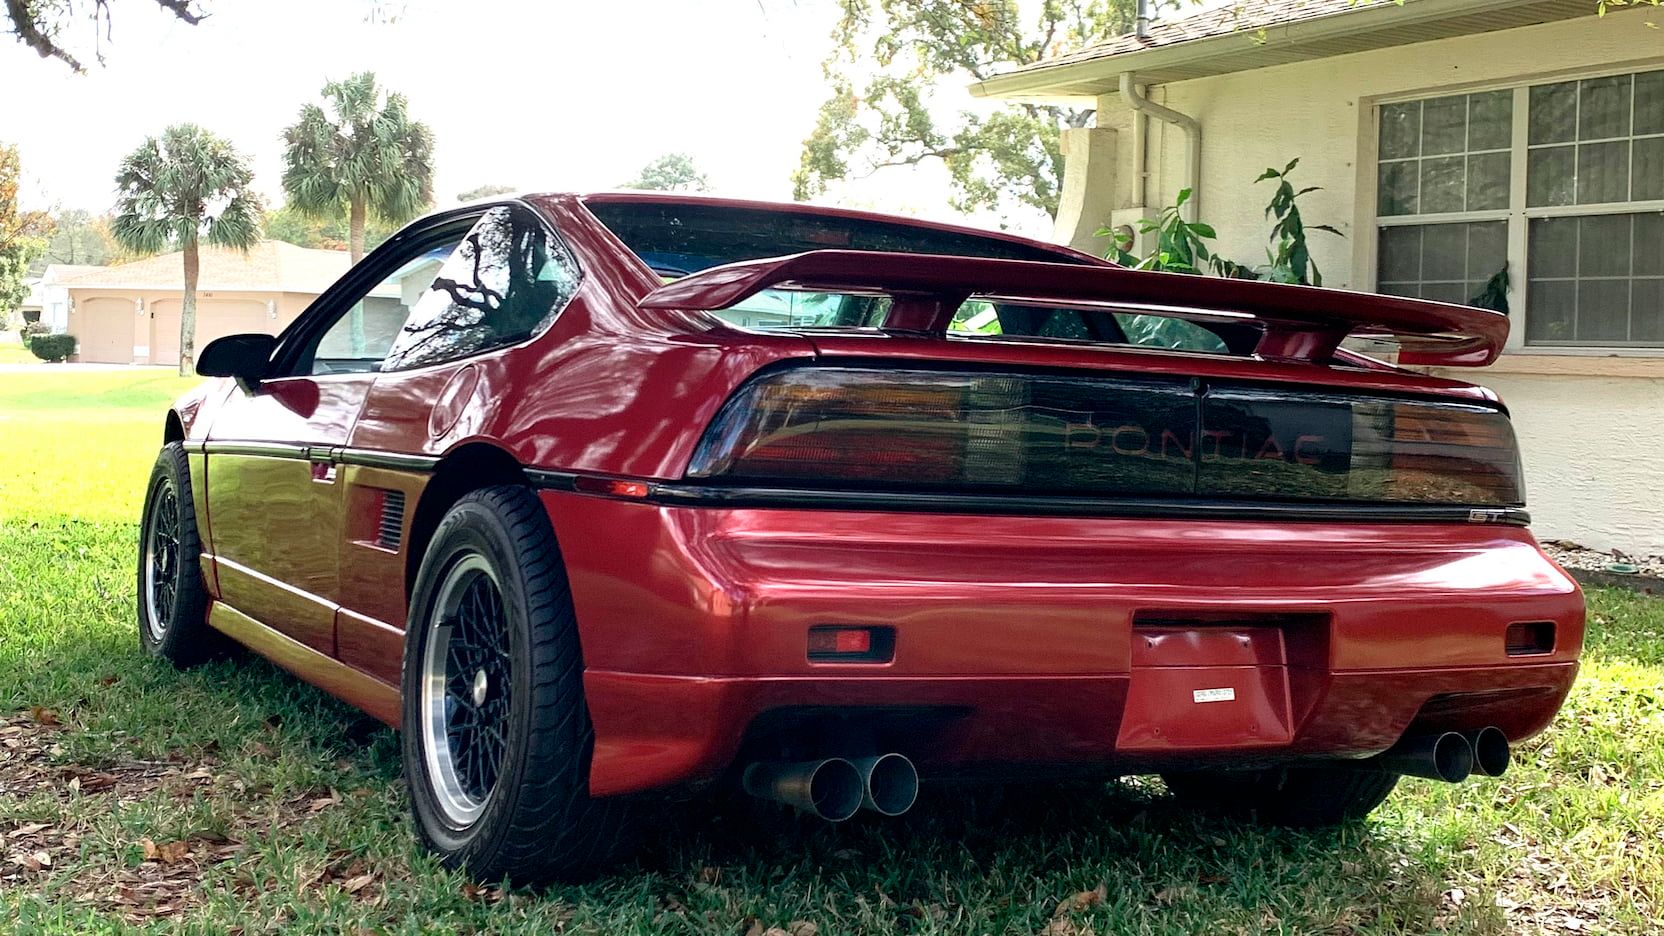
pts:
pixel 148 331
pixel 1585 418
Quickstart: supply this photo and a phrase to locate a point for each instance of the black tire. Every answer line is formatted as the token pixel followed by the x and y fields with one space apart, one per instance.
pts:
pixel 1298 797
pixel 173 626
pixel 536 821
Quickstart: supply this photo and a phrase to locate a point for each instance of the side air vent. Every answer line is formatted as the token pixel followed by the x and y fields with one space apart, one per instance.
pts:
pixel 391 529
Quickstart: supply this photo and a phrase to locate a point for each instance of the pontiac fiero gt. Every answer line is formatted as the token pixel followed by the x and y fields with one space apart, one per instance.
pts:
pixel 605 496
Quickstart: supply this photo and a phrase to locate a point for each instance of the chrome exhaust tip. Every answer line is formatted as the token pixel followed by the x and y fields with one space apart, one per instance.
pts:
pixel 890 783
pixel 1447 757
pixel 831 789
pixel 1491 751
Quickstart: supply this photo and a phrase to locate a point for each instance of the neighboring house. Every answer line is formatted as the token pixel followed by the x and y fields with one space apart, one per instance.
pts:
pixel 52 298
pixel 1452 139
pixel 129 313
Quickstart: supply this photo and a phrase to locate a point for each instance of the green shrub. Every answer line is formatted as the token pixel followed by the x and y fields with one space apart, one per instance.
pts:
pixel 52 347
pixel 32 329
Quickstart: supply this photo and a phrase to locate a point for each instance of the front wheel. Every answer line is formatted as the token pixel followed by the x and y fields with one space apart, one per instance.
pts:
pixel 172 601
pixel 497 738
pixel 1300 797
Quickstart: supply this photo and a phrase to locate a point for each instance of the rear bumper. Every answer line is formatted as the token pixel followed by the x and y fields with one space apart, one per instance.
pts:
pixel 1046 643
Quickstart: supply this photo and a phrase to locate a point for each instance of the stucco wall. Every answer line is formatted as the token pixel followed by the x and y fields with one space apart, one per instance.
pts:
pixel 1593 469
pixel 1594 476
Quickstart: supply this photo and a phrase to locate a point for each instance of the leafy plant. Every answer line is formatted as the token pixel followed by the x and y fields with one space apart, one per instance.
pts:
pixel 1291 260
pixel 1180 245
pixel 51 348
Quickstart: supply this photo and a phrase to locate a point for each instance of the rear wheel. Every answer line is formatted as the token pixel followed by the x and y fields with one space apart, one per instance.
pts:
pixel 172 602
pixel 1302 797
pixel 497 738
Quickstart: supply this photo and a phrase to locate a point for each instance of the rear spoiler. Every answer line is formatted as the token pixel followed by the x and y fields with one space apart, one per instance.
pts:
pixel 1301 323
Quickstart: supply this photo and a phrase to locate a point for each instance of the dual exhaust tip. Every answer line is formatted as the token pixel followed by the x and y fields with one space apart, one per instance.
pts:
pixel 1450 756
pixel 835 788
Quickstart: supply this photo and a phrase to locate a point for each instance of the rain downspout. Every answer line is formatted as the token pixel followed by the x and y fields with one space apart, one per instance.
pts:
pixel 1193 138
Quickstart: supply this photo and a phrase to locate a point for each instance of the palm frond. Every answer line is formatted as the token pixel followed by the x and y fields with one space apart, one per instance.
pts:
pixel 360 144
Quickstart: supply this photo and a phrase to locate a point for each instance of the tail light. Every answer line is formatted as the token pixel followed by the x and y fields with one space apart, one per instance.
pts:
pixel 1042 434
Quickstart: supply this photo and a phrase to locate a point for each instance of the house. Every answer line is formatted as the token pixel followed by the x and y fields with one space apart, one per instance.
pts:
pixel 33 300
pixel 129 313
pixel 49 300
pixel 1453 139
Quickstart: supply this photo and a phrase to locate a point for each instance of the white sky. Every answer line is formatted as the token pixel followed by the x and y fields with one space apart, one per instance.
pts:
pixel 539 94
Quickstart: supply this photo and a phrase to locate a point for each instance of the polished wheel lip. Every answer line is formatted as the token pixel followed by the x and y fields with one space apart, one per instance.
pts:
pixel 161 559
pixel 456 787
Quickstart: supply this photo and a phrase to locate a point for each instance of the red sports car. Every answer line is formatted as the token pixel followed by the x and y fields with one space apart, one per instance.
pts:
pixel 608 495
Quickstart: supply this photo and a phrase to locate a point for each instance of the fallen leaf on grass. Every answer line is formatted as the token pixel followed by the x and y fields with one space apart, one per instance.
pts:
pixel 45 717
pixel 751 926
pixel 801 928
pixel 168 853
pixel 473 891
pixel 324 802
pixel 709 875
pixel 356 884
pixel 1082 900
pixel 30 829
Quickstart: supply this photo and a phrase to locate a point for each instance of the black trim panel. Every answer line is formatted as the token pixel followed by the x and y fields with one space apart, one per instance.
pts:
pixel 694 495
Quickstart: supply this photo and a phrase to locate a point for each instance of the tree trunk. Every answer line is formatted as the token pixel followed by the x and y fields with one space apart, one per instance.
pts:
pixel 355 230
pixel 355 245
pixel 187 315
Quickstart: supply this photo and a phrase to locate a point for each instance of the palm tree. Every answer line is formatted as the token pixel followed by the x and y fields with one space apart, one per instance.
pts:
pixel 359 152
pixel 177 190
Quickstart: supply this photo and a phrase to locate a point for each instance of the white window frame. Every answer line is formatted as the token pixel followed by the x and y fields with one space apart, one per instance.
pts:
pixel 1516 214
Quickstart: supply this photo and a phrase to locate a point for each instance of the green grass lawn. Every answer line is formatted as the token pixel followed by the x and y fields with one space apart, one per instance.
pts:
pixel 235 799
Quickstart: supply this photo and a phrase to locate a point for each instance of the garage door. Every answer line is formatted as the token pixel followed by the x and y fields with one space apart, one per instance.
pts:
pixel 214 318
pixel 105 330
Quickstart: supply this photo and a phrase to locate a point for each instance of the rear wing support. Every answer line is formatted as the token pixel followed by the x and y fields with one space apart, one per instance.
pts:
pixel 1300 323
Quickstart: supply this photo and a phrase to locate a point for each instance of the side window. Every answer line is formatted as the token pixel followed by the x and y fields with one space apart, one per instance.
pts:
pixel 504 282
pixel 358 341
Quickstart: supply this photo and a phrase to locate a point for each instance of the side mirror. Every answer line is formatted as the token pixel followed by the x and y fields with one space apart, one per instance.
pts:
pixel 245 357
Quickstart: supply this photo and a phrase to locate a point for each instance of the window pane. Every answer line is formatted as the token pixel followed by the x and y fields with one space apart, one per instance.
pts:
pixel 1441 184
pixel 1649 244
pixel 1553 113
pixel 1603 111
pixel 1488 181
pixel 1487 249
pixel 1399 181
pixel 1603 246
pixel 1647 178
pixel 358 341
pixel 1550 175
pixel 1400 130
pixel 1552 248
pixel 1444 125
pixel 1490 120
pixel 1551 312
pixel 1456 293
pixel 1646 311
pixel 1602 172
pixel 1444 252
pixel 1400 254
pixel 1649 102
pixel 1603 310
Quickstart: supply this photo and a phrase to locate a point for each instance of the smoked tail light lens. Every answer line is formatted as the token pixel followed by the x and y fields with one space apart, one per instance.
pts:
pixel 914 429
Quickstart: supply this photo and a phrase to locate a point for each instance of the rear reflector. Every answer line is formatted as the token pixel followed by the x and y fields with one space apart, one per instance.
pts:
pixel 1530 638
pixel 1042 434
pixel 612 487
pixel 832 644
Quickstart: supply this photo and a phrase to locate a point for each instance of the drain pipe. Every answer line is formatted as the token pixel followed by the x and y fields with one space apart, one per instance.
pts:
pixel 1193 138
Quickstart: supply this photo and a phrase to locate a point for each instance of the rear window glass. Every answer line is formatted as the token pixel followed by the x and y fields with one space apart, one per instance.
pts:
pixel 678 239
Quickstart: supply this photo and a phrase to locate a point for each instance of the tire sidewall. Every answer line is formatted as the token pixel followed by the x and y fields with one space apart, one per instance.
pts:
pixel 184 638
pixel 470 529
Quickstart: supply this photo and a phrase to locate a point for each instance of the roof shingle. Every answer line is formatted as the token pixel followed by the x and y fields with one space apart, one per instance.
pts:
pixel 268 266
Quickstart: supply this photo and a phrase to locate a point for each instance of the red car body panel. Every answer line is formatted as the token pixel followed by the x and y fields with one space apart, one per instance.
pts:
pixel 1049 642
